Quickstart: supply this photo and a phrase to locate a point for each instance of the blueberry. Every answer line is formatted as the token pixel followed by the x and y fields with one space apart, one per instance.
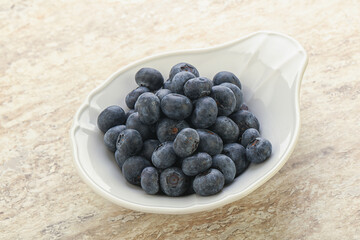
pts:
pixel 225 165
pixel 111 117
pixel 161 93
pixel 131 111
pixel 174 182
pixel 181 67
pixel 148 107
pixel 176 106
pixel 133 122
pixel 150 180
pixel 132 96
pixel 120 157
pixel 111 136
pixel 150 78
pixel 225 100
pixel 258 150
pixel 205 112
pixel 133 167
pixel 209 182
pixel 164 155
pixel 210 142
pixel 148 148
pixel 176 84
pixel 186 142
pixel 129 142
pixel 198 87
pixel 237 153
pixel 224 76
pixel 167 84
pixel 196 164
pixel 245 120
pixel 249 135
pixel 237 92
pixel 244 107
pixel 167 129
pixel 226 129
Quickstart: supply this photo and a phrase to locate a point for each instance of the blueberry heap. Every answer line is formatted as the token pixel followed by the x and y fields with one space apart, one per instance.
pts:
pixel 185 135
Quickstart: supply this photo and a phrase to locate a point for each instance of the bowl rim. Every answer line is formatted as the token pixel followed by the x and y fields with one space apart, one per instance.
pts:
pixel 196 208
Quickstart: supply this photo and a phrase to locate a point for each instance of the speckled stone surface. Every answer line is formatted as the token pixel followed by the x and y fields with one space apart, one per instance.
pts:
pixel 53 53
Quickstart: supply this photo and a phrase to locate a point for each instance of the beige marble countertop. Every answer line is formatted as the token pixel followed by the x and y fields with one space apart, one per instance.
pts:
pixel 53 53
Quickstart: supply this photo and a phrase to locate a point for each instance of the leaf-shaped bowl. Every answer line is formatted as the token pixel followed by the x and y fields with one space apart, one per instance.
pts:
pixel 270 66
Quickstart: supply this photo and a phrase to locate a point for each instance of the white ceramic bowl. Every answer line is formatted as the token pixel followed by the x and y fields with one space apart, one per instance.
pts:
pixel 270 67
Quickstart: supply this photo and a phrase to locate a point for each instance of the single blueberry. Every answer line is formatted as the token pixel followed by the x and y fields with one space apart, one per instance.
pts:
pixel 196 163
pixel 133 167
pixel 161 93
pixel 132 96
pixel 174 182
pixel 129 142
pixel 237 153
pixel 120 157
pixel 111 136
pixel 164 155
pixel 249 135
pixel 148 148
pixel 224 76
pixel 210 142
pixel 225 100
pixel 111 117
pixel 186 142
pixel 150 78
pixel 148 107
pixel 176 106
pixel 133 122
pixel 176 84
pixel 128 113
pixel 167 129
pixel 245 120
pixel 258 150
pixel 209 182
pixel 198 87
pixel 205 112
pixel 150 180
pixel 237 92
pixel 181 67
pixel 226 129
pixel 225 165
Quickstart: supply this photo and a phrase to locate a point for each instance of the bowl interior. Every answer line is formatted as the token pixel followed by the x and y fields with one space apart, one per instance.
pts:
pixel 269 66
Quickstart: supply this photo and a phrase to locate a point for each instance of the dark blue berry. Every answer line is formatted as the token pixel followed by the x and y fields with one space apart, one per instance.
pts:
pixel 150 180
pixel 245 120
pixel 111 117
pixel 131 111
pixel 148 107
pixel 120 157
pixel 133 167
pixel 237 153
pixel 226 129
pixel 148 148
pixel 198 87
pixel 225 165
pixel 209 182
pixel 174 182
pixel 258 150
pixel 164 155
pixel 225 100
pixel 183 67
pixel 133 122
pixel 161 93
pixel 249 135
pixel 111 136
pixel 224 76
pixel 167 129
pixel 196 163
pixel 176 106
pixel 237 92
pixel 132 96
pixel 186 142
pixel 129 142
pixel 205 112
pixel 150 78
pixel 176 84
pixel 210 142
